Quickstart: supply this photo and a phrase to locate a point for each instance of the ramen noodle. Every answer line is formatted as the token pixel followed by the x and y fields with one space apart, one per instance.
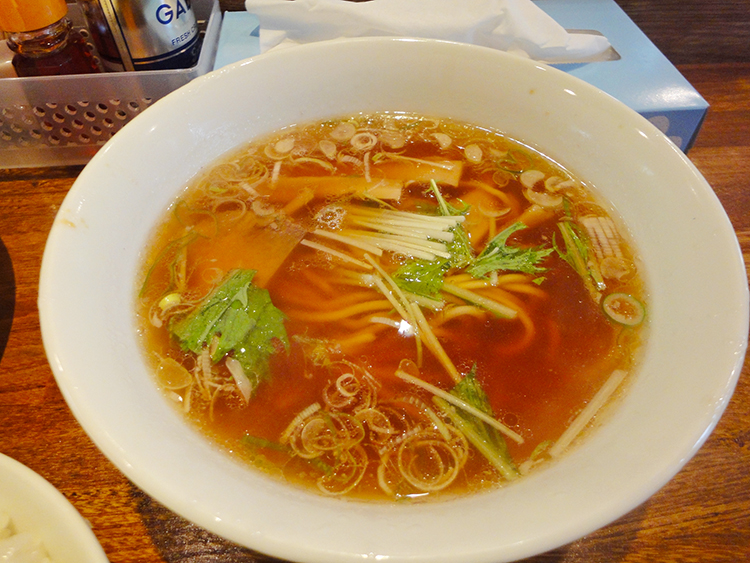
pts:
pixel 391 306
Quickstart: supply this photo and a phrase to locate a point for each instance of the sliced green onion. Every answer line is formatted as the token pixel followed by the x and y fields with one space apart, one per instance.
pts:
pixel 624 309
pixel 170 300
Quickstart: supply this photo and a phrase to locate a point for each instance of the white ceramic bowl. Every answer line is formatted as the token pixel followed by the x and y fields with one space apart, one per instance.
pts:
pixel 699 300
pixel 37 508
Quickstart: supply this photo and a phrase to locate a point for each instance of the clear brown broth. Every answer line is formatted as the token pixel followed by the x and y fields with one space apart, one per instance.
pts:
pixel 536 385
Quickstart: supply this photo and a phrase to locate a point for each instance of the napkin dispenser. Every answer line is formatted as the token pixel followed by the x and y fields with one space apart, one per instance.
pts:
pixel 639 75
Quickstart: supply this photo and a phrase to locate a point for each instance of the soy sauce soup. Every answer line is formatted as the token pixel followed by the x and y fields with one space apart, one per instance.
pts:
pixel 391 306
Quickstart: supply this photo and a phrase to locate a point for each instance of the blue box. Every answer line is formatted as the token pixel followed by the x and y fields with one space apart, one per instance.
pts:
pixel 642 78
pixel 239 38
pixel 639 75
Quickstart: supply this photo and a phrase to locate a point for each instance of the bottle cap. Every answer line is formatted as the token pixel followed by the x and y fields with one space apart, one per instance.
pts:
pixel 30 15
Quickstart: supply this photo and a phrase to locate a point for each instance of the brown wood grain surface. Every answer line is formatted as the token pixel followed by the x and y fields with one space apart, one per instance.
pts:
pixel 701 516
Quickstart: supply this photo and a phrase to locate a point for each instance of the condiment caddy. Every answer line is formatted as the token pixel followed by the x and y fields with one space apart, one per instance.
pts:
pixel 64 120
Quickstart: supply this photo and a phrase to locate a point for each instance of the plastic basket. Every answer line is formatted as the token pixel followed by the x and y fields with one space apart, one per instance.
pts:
pixel 64 120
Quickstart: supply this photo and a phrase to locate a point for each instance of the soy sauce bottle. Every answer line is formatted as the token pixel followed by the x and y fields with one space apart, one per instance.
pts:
pixel 43 39
pixel 143 34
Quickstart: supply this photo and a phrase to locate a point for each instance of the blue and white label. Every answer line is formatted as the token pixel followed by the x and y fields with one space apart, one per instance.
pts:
pixel 158 29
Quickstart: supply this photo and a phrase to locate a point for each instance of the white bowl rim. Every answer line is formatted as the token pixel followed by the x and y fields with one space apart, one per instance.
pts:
pixel 37 507
pixel 256 530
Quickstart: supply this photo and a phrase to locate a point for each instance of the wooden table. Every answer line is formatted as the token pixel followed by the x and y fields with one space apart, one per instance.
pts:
pixel 702 515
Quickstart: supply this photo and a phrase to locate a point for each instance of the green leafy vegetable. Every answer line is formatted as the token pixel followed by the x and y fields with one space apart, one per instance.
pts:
pixel 514 162
pixel 575 250
pixel 423 277
pixel 460 247
pixel 497 255
pixel 576 253
pixel 170 256
pixel 483 437
pixel 256 443
pixel 237 317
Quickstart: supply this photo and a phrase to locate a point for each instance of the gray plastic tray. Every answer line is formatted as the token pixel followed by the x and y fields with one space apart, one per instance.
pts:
pixel 63 120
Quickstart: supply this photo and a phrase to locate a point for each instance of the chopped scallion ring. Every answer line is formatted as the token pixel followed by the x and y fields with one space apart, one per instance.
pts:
pixel 624 309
